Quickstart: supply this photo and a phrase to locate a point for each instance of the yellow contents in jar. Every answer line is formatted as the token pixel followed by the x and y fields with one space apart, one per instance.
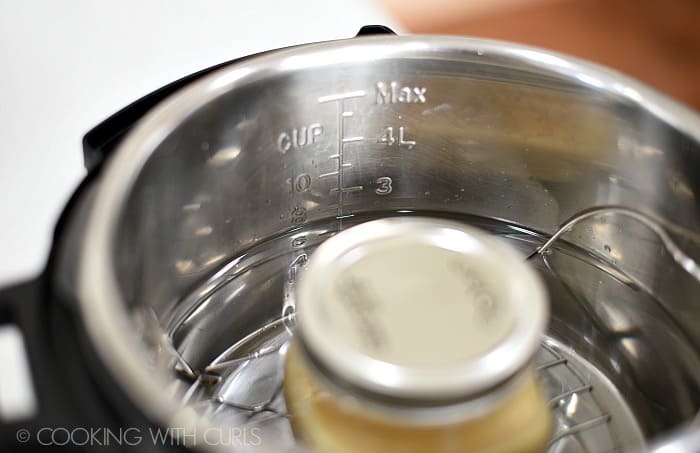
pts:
pixel 520 422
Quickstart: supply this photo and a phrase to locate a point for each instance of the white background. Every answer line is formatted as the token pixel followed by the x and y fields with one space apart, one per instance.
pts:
pixel 67 65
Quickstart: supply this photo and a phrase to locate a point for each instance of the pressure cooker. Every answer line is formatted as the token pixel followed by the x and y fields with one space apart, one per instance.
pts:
pixel 168 301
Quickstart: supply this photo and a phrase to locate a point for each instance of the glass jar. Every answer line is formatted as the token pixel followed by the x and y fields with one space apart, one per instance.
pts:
pixel 415 335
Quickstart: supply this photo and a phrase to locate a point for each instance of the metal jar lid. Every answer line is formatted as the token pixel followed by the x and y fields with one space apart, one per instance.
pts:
pixel 419 308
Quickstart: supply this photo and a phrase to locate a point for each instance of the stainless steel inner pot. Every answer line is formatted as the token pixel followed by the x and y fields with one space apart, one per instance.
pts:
pixel 209 209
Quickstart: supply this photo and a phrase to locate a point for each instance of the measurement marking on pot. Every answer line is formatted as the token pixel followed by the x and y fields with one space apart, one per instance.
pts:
pixel 300 260
pixel 347 189
pixel 395 93
pixel 388 138
pixel 384 185
pixel 339 156
pixel 299 137
pixel 289 298
pixel 341 96
pixel 302 183
pixel 298 215
pixel 341 129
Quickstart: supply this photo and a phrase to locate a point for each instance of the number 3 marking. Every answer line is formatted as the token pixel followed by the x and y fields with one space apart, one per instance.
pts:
pixel 384 186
